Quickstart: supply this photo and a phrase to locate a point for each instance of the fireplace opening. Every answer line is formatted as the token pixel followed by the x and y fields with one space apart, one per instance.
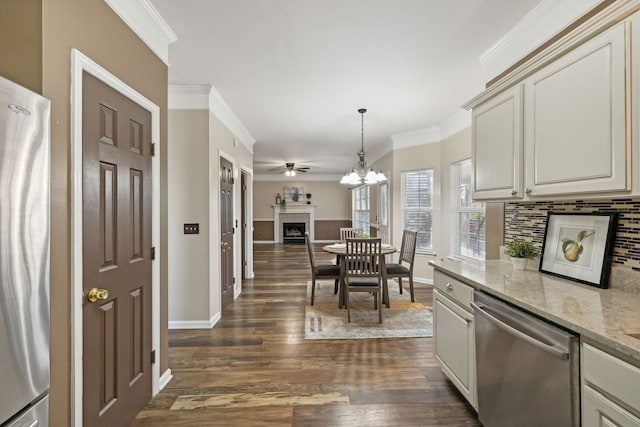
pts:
pixel 293 232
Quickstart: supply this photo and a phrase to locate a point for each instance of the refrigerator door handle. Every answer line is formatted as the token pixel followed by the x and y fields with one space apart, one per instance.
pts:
pixel 553 350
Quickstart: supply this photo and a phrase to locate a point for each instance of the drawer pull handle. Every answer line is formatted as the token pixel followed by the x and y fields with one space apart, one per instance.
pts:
pixel 448 286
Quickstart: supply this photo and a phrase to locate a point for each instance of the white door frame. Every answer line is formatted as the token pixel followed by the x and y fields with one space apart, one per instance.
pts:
pixel 79 64
pixel 248 241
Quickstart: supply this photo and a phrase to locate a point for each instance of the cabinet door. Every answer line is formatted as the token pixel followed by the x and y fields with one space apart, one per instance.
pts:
pixel 497 147
pixel 576 138
pixel 454 344
pixel 598 411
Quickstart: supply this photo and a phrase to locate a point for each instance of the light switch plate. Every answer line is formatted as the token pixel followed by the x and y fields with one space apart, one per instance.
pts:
pixel 192 229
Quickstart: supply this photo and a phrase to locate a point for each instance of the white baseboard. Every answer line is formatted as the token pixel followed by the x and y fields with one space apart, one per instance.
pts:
pixel 195 324
pixel 164 379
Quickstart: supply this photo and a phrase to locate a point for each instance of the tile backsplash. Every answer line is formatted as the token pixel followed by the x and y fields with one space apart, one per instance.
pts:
pixel 527 220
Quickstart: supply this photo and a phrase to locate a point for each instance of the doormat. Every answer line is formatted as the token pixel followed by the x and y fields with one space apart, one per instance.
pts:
pixel 324 320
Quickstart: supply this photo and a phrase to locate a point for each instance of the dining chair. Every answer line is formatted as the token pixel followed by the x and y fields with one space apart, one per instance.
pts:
pixel 364 271
pixel 407 255
pixel 348 233
pixel 320 271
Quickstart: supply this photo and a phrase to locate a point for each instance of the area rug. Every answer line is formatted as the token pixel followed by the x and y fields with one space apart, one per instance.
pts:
pixel 324 320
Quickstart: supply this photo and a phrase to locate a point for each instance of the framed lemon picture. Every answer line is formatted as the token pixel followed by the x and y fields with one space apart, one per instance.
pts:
pixel 579 246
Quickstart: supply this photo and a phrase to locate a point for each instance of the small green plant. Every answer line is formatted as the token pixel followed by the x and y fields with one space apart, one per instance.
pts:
pixel 520 248
pixel 362 236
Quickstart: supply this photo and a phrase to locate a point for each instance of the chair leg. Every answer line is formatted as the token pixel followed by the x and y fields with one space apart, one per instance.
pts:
pixel 413 298
pixel 346 297
pixel 379 307
pixel 400 284
pixel 313 289
pixel 335 286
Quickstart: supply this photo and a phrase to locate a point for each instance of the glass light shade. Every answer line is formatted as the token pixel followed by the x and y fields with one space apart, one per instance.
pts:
pixel 371 177
pixel 345 179
pixel 354 178
pixel 290 173
pixel 380 177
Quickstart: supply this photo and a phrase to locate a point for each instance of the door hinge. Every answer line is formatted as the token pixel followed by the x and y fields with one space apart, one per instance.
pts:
pixel 153 149
pixel 153 253
pixel 234 280
pixel 153 357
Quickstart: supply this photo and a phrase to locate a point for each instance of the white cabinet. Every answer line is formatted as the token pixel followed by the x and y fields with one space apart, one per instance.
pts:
pixel 453 333
pixel 497 147
pixel 576 138
pixel 610 390
pixel 564 128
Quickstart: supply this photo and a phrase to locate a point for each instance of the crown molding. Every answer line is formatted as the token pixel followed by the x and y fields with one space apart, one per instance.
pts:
pixel 299 177
pixel 455 123
pixel 618 11
pixel 189 97
pixel 219 107
pixel 543 22
pixel 416 137
pixel 145 20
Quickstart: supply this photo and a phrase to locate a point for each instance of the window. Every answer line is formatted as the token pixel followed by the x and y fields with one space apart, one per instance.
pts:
pixel 417 206
pixel 469 227
pixel 360 202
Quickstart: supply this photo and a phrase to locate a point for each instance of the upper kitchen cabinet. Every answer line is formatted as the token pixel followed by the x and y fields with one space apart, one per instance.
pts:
pixel 497 146
pixel 575 130
pixel 565 121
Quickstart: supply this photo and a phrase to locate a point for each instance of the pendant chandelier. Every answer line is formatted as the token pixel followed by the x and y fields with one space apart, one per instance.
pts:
pixel 362 174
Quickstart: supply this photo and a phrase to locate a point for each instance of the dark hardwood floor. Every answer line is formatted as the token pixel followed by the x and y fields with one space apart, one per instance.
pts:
pixel 254 368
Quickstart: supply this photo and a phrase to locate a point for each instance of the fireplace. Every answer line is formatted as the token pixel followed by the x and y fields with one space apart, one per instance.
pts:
pixel 293 232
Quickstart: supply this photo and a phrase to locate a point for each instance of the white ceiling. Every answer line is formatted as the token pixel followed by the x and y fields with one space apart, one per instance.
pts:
pixel 295 72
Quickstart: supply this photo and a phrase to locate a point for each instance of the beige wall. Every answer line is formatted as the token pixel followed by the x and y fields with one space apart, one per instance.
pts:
pixel 454 149
pixel 21 42
pixel 93 28
pixel 197 139
pixel 332 199
pixel 188 189
pixel 426 156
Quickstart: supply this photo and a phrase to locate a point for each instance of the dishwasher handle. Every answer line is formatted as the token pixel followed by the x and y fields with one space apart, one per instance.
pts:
pixel 553 350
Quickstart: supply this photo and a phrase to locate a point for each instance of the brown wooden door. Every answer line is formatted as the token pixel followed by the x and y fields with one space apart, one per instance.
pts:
pixel 226 231
pixel 116 256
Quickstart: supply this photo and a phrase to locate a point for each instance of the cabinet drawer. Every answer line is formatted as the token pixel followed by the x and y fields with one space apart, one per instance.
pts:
pixel 454 289
pixel 613 376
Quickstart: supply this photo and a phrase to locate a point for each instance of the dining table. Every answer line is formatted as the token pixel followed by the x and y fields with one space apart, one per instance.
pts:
pixel 340 251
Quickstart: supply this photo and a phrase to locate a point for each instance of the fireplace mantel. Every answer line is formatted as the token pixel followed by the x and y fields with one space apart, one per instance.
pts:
pixel 293 213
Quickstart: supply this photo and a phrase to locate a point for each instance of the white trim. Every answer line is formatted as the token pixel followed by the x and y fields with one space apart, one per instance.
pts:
pixel 593 26
pixel 416 137
pixel 145 20
pixel 195 324
pixel 455 123
pixel 79 64
pixel 219 107
pixel 165 378
pixel 189 97
pixel 248 242
pixel 298 177
pixel 548 18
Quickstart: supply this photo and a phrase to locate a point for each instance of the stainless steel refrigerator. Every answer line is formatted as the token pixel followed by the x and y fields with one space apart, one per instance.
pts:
pixel 24 256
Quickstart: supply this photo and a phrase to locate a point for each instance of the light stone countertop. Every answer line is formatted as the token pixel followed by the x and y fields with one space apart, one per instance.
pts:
pixel 604 316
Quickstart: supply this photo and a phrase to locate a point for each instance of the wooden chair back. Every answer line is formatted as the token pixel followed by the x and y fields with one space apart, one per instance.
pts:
pixel 348 233
pixel 408 247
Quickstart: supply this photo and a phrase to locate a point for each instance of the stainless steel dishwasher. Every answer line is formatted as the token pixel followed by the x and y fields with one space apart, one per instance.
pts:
pixel 524 366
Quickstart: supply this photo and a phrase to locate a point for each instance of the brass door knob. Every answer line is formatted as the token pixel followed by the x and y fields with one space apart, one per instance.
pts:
pixel 96 294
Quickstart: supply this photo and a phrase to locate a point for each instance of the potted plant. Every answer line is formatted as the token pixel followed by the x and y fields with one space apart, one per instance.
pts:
pixel 308 198
pixel 283 205
pixel 521 252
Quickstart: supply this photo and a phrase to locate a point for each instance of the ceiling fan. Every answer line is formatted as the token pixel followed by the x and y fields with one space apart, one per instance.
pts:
pixel 290 169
